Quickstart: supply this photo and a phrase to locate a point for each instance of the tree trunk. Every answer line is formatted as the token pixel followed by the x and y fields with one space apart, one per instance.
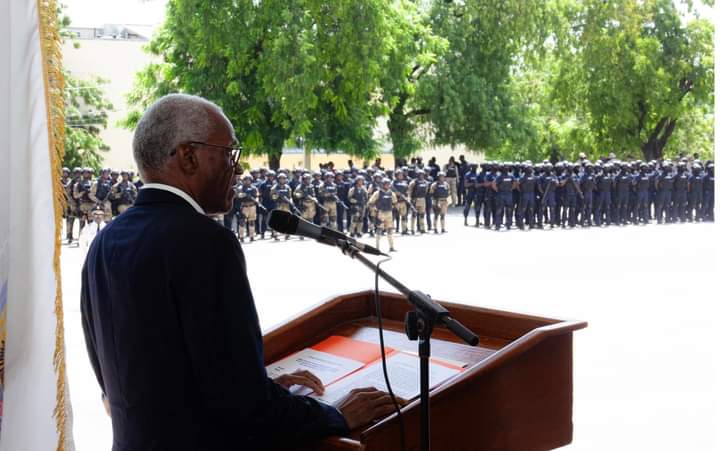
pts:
pixel 653 148
pixel 274 160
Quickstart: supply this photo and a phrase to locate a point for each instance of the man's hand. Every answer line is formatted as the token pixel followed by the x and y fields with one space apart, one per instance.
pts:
pixel 363 405
pixel 301 377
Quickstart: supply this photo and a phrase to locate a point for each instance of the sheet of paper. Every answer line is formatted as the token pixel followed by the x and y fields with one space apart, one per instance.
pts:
pixel 404 374
pixel 327 367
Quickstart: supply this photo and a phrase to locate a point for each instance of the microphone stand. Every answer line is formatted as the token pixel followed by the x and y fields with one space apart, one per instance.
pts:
pixel 419 325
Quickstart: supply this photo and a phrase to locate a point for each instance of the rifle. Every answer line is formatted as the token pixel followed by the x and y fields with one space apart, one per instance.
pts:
pixel 317 203
pixel 257 204
pixel 405 199
pixel 337 199
pixel 291 203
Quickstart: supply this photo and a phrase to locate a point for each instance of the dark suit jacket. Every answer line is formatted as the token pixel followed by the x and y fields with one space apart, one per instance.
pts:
pixel 173 335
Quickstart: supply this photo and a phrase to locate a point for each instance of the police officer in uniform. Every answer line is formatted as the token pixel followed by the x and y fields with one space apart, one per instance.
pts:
pixel 266 201
pixel 603 202
pixel 343 188
pixel 358 197
pixel 527 186
pixel 587 185
pixel 400 187
pixel 418 188
pixel 664 185
pixel 641 186
pixel 124 193
pixel 440 190
pixel 708 201
pixel 100 192
pixel 281 194
pixel 68 214
pixel 451 178
pixel 248 196
pixel 81 193
pixel 471 194
pixel 328 196
pixel 623 182
pixel 485 180
pixel 695 192
pixel 503 186
pixel 305 194
pixel 680 193
pixel 385 201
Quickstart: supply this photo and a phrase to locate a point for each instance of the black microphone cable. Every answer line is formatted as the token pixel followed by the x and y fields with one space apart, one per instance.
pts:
pixel 378 313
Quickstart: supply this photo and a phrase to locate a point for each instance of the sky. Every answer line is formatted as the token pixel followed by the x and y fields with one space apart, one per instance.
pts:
pixel 88 13
pixel 93 13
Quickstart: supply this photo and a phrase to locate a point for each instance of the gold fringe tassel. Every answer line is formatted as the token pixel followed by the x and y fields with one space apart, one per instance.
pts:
pixel 50 43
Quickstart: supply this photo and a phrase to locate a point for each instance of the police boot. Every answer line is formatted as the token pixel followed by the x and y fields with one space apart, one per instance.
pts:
pixel 466 221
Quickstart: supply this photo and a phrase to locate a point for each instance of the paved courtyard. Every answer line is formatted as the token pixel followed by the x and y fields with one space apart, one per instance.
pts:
pixel 645 374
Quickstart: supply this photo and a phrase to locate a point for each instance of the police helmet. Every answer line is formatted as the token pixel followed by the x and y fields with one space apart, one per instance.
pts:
pixel 282 175
pixel 386 181
pixel 270 173
pixel 329 174
pixel 306 176
pixel 398 171
pixel 87 169
pixel 441 174
pixel 247 177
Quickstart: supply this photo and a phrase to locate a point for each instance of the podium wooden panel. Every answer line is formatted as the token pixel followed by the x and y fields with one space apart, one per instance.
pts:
pixel 516 393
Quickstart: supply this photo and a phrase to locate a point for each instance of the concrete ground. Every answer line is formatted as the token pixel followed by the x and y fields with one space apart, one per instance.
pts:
pixel 644 368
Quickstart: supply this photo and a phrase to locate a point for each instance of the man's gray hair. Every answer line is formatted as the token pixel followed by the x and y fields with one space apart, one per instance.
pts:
pixel 170 121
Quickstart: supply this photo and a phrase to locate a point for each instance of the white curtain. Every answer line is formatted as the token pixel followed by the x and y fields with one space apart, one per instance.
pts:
pixel 27 237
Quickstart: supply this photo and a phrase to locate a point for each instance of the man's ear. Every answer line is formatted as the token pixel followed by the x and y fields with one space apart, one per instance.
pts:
pixel 186 158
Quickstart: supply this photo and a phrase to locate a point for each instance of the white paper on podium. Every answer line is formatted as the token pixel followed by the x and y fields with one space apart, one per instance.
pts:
pixel 403 372
pixel 327 367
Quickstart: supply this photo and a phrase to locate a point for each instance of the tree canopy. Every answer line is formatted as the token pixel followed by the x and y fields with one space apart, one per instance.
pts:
pixel 511 78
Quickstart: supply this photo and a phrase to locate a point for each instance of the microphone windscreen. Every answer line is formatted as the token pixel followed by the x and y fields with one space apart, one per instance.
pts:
pixel 283 221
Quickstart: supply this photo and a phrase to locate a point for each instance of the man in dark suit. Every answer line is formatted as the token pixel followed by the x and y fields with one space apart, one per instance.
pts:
pixel 168 313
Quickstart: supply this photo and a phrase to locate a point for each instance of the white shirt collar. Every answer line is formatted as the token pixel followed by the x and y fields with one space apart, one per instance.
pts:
pixel 177 192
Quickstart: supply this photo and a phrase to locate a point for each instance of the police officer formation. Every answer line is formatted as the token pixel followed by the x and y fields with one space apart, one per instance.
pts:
pixel 108 193
pixel 371 201
pixel 607 192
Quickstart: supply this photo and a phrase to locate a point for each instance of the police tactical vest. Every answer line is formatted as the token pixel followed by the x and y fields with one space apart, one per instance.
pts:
pixel 587 183
pixel 666 182
pixel 283 192
pixel 681 183
pixel 420 189
pixel 504 184
pixel 126 193
pixel 451 171
pixel 623 183
pixel 250 192
pixel 329 191
pixel 527 184
pixel 442 190
pixel 85 186
pixel 643 182
pixel 605 183
pixel 103 189
pixel 384 202
pixel 360 196
pixel 400 186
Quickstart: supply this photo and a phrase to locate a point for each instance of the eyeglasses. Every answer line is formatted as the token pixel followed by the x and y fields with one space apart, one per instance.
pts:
pixel 235 152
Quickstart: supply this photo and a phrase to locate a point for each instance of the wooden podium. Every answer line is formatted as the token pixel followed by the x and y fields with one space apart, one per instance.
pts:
pixel 516 393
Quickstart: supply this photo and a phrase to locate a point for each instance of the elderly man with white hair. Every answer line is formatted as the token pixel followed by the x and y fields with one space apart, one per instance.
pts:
pixel 168 314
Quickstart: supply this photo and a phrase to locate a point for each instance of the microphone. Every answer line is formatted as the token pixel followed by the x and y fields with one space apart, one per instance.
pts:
pixel 290 224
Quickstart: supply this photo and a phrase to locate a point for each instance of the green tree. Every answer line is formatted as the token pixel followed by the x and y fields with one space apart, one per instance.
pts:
pixel 639 69
pixel 86 115
pixel 280 69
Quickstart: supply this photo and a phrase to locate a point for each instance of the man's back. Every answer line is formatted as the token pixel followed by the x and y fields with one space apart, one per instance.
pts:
pixel 173 334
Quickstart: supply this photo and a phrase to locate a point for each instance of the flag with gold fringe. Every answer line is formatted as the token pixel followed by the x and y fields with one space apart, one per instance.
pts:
pixel 34 409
